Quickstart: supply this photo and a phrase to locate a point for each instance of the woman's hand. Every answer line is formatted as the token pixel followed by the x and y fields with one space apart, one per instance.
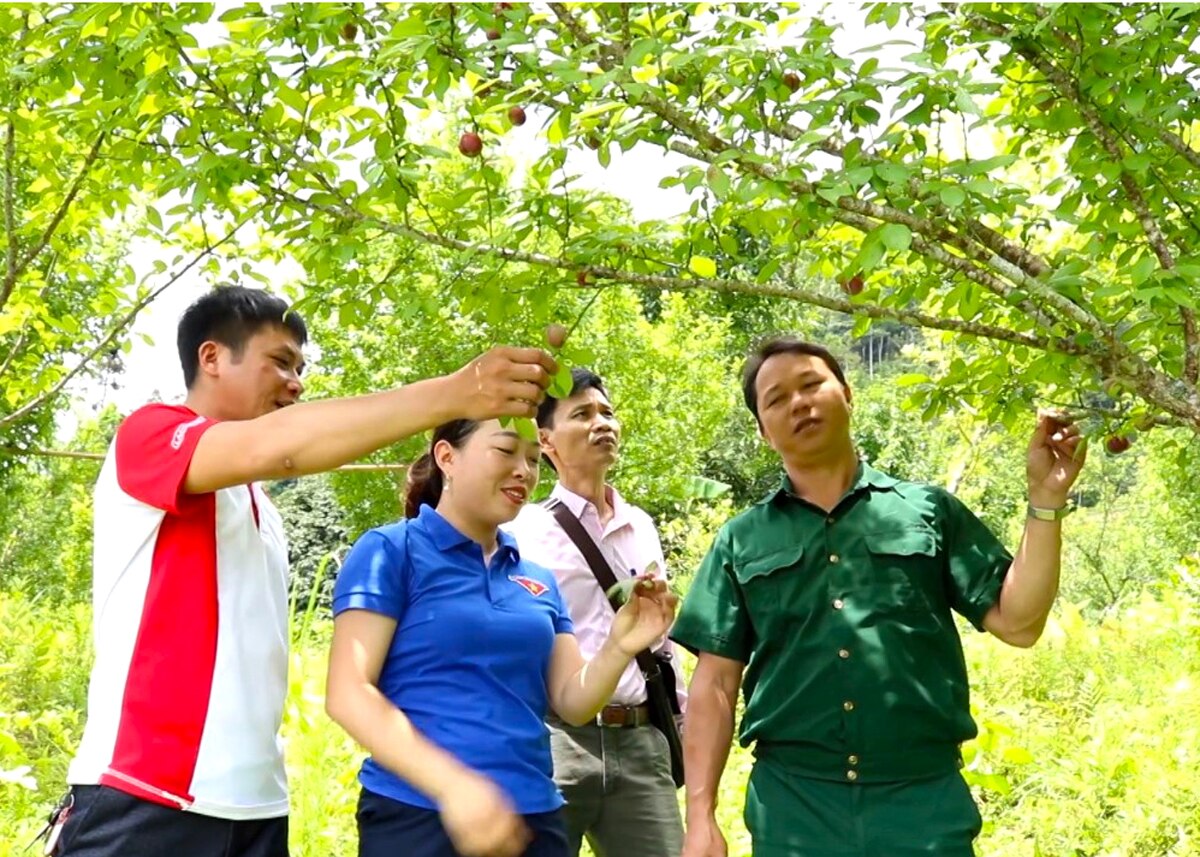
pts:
pixel 480 820
pixel 645 617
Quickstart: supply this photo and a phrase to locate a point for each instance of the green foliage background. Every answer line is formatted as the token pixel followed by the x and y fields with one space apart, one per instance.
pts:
pixel 1020 185
pixel 1086 741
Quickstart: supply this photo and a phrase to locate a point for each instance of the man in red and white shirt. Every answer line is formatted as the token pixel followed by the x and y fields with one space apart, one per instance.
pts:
pixel 616 773
pixel 181 754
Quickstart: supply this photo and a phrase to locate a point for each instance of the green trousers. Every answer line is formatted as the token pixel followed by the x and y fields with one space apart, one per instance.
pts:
pixel 792 816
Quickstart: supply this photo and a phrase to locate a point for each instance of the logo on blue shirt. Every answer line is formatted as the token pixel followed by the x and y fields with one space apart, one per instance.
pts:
pixel 535 587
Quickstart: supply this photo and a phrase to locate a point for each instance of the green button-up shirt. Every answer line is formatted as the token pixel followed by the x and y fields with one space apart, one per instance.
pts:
pixel 854 666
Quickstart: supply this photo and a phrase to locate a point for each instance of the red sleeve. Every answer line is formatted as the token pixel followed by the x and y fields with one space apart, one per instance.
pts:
pixel 154 447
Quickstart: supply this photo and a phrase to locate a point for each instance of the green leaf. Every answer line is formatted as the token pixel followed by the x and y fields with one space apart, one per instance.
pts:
pixel 149 105
pixel 952 197
pixel 718 181
pixel 974 168
pixel 560 384
pixel 869 254
pixel 895 236
pixel 1137 163
pixel 992 782
pixel 702 266
pixel 526 428
pixel 1142 269
pixel 769 270
pixel 154 61
pixel 892 173
pixel 703 488
pixel 557 132
pixel 965 103
pixel 641 51
pixel 859 176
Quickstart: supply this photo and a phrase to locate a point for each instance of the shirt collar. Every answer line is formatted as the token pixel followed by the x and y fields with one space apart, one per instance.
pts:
pixel 577 503
pixel 865 477
pixel 446 536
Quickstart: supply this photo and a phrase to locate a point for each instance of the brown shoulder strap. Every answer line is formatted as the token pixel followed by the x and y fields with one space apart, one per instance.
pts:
pixel 599 566
pixel 586 544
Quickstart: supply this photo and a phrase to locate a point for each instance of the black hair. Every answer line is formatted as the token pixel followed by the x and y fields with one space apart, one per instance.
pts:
pixel 425 478
pixel 767 349
pixel 231 315
pixel 581 379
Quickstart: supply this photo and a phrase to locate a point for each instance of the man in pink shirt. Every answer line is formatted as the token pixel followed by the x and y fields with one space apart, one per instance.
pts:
pixel 615 773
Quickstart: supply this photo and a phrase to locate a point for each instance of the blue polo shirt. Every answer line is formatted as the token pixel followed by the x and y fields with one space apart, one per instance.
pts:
pixel 469 659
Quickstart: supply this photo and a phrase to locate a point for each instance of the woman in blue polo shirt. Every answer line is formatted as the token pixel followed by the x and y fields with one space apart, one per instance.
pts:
pixel 448 650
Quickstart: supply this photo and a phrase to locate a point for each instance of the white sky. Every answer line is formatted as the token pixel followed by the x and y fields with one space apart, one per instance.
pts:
pixel 153 371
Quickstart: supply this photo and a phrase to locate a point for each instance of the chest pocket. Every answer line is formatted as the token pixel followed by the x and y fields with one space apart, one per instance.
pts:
pixel 902 573
pixel 771 583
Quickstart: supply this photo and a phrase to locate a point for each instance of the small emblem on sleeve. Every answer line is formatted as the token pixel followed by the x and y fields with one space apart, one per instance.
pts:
pixel 535 587
pixel 182 429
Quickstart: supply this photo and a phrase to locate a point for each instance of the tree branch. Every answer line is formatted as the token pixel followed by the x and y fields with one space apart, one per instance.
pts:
pixel 10 277
pixel 1108 354
pixel 1175 142
pixel 121 325
pixel 1107 350
pixel 1026 264
pixel 1031 263
pixel 858 213
pixel 1068 86
pixel 1171 139
pixel 10 267
pixel 672 283
pixel 710 141
pixel 18 347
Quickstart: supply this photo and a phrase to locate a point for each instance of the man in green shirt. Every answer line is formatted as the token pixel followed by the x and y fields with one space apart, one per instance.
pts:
pixel 830 604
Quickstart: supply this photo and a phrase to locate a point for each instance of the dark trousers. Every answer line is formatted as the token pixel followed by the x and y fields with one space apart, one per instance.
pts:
pixel 388 828
pixel 105 822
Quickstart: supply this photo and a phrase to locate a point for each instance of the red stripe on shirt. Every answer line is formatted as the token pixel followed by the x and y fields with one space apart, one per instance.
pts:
pixel 170 676
pixel 116 781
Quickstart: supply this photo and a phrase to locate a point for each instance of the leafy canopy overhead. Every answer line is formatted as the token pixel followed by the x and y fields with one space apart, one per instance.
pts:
pixel 1020 177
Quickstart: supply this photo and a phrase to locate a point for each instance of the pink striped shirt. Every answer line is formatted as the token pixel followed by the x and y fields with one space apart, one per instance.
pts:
pixel 630 544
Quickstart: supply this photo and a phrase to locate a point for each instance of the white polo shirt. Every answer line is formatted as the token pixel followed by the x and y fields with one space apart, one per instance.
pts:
pixel 190 629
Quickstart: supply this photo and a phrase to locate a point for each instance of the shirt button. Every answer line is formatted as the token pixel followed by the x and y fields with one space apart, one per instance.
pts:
pixel 853 760
pixel 843 653
pixel 852 775
pixel 848 705
pixel 829 520
pixel 838 604
pixel 834 558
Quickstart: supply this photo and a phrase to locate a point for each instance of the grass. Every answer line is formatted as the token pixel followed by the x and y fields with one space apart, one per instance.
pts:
pixel 1090 742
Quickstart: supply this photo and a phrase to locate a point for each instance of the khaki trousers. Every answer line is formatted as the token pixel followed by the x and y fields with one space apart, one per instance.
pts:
pixel 619 791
